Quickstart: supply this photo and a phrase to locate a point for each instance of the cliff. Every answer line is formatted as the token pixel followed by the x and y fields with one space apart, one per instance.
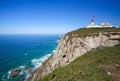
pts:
pixel 75 44
pixel 96 65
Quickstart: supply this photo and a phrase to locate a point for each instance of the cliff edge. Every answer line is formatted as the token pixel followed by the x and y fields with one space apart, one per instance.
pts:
pixel 75 44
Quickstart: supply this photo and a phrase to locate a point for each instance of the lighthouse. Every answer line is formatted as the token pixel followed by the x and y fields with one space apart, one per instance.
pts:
pixel 93 25
pixel 92 21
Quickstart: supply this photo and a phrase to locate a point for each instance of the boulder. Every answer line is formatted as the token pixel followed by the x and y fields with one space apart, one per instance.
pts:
pixel 14 72
pixel 27 67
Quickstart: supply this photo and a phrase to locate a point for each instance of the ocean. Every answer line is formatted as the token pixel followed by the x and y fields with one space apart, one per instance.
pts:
pixel 18 51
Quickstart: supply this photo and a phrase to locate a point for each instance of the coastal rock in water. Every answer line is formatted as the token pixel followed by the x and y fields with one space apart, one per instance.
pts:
pixel 27 67
pixel 14 72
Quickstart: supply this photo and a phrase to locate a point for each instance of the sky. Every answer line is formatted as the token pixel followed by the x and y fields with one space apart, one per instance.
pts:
pixel 55 16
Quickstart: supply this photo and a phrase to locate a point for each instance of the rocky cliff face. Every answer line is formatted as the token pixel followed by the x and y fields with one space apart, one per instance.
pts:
pixel 71 47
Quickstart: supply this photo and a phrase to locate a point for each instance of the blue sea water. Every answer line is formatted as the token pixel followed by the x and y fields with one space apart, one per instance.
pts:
pixel 18 51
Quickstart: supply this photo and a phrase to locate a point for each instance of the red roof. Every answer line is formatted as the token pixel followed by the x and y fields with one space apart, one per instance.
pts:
pixel 105 24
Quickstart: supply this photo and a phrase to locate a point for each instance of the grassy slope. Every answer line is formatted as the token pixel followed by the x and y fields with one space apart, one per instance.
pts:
pixel 93 66
pixel 91 31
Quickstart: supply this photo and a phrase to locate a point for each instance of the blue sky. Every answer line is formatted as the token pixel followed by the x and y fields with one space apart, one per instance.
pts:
pixel 53 16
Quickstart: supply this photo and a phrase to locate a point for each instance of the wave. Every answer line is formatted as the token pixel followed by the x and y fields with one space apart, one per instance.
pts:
pixel 25 54
pixel 9 72
pixel 34 62
pixel 54 51
pixel 38 62
pixel 22 67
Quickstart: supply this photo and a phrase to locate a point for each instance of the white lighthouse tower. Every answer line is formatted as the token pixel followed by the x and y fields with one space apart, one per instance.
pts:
pixel 92 21
pixel 92 24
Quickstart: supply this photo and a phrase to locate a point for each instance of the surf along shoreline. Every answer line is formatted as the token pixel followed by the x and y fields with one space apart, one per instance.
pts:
pixel 25 73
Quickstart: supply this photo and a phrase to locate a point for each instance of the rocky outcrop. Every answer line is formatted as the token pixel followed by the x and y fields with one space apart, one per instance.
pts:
pixel 14 72
pixel 71 47
pixel 27 67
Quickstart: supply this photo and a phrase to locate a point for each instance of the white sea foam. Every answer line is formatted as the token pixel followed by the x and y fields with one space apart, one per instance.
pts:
pixel 22 67
pixel 26 54
pixel 35 62
pixel 38 62
pixel 28 75
pixel 9 72
pixel 54 51
pixel 22 72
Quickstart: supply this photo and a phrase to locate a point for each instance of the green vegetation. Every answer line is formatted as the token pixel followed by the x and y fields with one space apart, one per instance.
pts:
pixel 91 31
pixel 100 65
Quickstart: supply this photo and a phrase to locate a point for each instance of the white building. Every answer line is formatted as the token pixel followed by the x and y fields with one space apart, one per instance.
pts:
pixel 92 24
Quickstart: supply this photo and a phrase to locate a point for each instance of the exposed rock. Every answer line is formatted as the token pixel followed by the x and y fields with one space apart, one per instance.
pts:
pixel 27 67
pixel 69 48
pixel 14 72
pixel 111 42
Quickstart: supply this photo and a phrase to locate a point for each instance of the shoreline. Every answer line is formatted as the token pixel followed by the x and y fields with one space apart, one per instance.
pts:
pixel 25 74
pixel 29 51
pixel 71 47
pixel 31 74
